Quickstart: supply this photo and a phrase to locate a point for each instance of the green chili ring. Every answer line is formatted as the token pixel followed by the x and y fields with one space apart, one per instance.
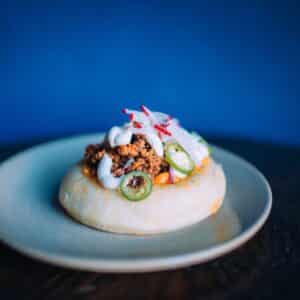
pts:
pixel 171 155
pixel 136 186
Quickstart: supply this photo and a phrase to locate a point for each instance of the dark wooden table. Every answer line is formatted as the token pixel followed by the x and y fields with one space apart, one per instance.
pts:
pixel 266 267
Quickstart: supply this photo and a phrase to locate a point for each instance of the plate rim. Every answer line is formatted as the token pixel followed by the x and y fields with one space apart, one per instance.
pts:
pixel 144 264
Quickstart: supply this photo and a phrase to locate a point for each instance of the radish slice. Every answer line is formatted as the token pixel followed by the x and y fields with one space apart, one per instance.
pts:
pixel 171 173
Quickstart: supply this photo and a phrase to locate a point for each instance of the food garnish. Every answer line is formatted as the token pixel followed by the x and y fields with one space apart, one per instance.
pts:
pixel 136 186
pixel 152 148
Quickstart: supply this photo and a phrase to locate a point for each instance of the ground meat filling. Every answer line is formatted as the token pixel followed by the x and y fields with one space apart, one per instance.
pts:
pixel 139 151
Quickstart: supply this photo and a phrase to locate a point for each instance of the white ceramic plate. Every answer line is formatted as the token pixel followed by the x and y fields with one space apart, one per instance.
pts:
pixel 32 222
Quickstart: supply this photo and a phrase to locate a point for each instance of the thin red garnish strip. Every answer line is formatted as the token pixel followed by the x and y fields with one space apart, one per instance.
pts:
pixel 137 124
pixel 145 110
pixel 161 128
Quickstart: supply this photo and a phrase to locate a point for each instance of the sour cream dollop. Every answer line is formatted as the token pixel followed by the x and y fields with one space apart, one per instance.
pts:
pixel 118 136
pixel 104 173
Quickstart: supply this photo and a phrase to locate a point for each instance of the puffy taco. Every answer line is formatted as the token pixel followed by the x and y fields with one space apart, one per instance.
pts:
pixel 148 176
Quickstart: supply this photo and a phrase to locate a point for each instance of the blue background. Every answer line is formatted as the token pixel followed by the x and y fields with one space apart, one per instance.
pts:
pixel 225 68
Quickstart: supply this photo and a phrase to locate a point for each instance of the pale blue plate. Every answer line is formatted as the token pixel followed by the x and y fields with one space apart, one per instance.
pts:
pixel 32 222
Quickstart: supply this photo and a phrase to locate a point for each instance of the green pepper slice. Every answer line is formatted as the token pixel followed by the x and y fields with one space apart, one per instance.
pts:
pixel 136 186
pixel 178 158
pixel 201 140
